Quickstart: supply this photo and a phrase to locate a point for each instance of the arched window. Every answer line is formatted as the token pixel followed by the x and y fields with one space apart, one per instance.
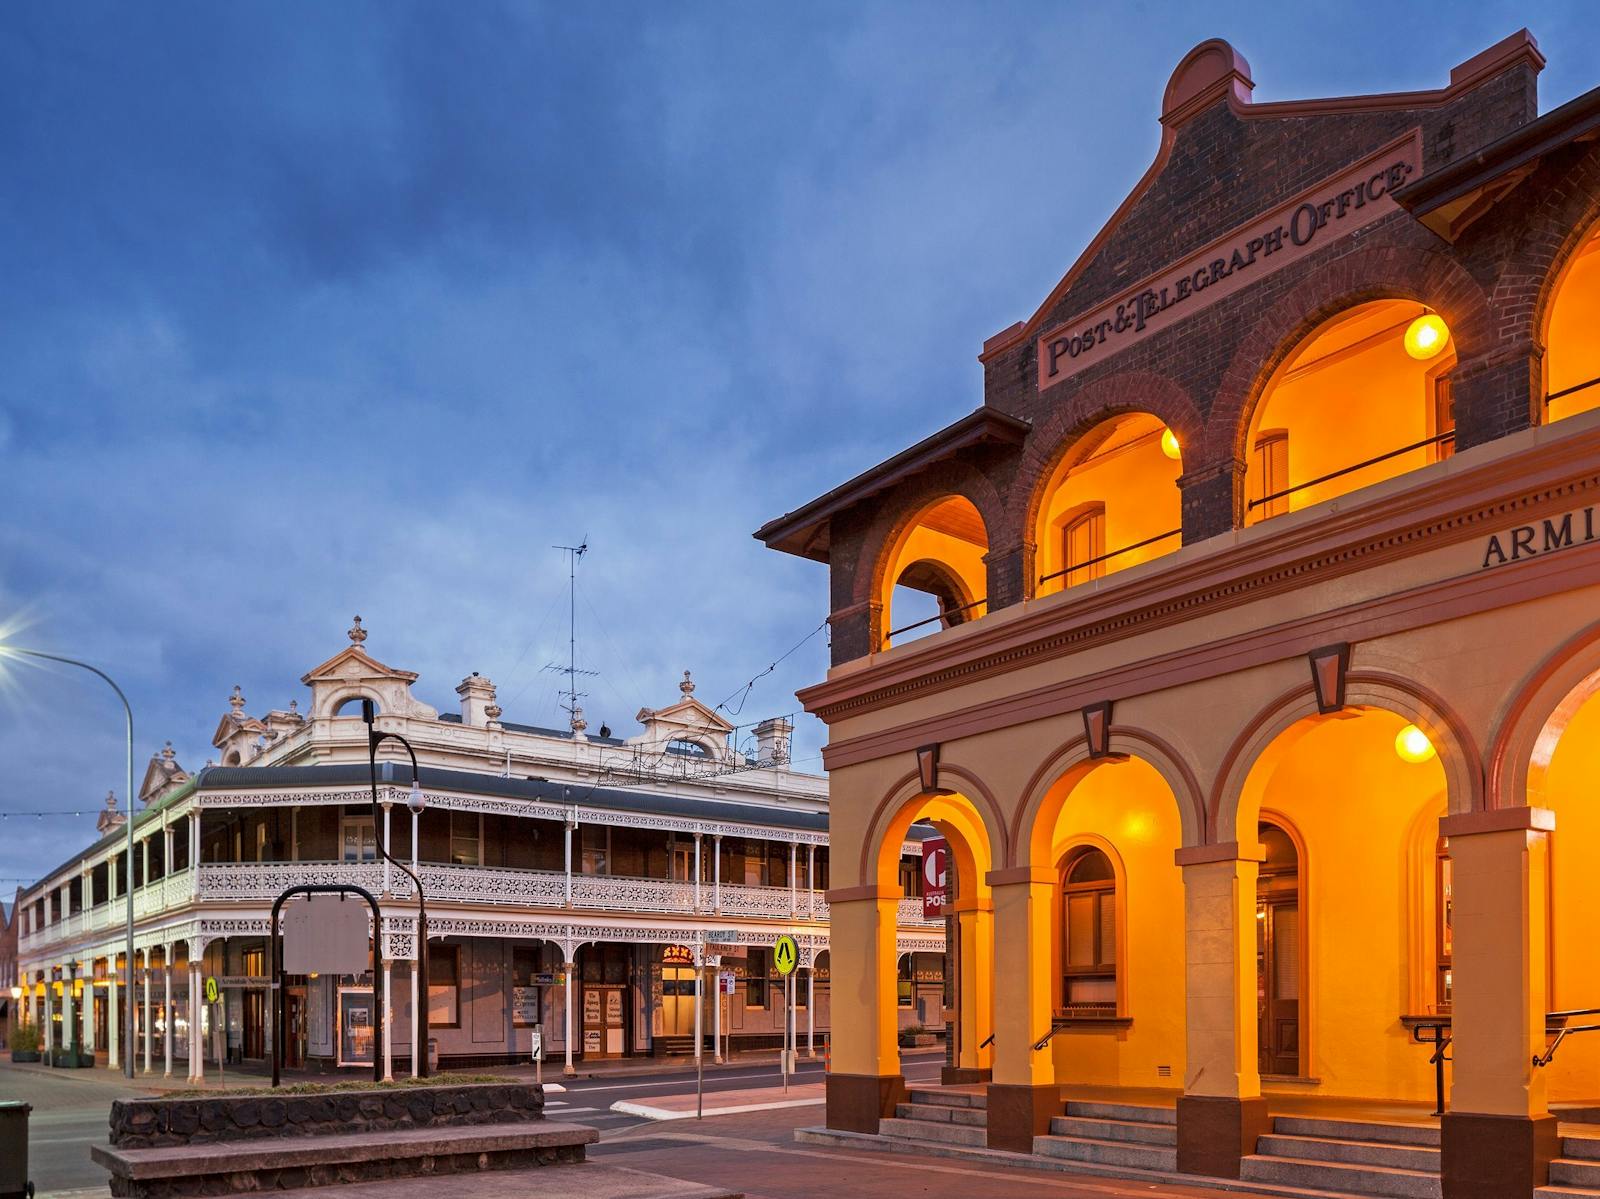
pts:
pixel 1364 398
pixel 1572 352
pixel 1083 545
pixel 1089 935
pixel 687 749
pixel 350 705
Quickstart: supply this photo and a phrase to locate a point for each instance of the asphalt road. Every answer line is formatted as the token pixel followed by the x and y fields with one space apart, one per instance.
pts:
pixel 71 1108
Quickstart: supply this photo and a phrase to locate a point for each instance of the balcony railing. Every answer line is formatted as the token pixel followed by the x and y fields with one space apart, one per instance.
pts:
pixel 262 882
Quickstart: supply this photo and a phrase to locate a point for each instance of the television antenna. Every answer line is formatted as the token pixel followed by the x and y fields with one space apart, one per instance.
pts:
pixel 574 713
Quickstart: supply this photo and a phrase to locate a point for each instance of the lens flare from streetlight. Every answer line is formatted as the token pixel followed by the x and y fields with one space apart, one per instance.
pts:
pixel 1413 746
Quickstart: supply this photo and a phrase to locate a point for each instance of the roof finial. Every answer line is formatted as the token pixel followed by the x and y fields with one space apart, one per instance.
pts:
pixel 236 700
pixel 169 753
pixel 111 801
pixel 357 634
pixel 687 686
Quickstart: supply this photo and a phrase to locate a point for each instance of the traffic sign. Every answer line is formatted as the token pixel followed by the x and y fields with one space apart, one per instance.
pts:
pixel 212 994
pixel 786 955
pixel 726 982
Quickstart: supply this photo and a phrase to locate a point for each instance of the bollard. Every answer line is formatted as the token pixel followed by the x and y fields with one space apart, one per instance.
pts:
pixel 14 1182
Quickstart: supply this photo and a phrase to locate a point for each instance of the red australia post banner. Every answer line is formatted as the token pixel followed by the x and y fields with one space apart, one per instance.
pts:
pixel 935 877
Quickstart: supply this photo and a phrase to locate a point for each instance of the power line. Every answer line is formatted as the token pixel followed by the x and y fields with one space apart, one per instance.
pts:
pixel 743 693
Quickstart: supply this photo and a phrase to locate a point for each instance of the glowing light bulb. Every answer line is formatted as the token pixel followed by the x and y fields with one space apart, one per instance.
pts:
pixel 1427 336
pixel 1169 444
pixel 1412 744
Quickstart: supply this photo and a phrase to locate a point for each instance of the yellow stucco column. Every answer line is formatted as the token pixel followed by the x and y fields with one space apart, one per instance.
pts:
pixel 1221 1112
pixel 1499 1135
pixel 975 918
pixel 1024 1094
pixel 864 1080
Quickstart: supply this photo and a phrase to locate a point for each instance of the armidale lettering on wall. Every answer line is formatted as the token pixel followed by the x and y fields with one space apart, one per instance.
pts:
pixel 1544 537
pixel 1334 208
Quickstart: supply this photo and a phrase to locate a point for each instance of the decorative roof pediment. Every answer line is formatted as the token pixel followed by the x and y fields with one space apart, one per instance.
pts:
pixel 354 664
pixel 687 720
pixel 353 673
pixel 162 775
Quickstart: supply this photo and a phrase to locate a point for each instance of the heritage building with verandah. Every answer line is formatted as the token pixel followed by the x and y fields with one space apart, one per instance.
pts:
pixel 576 884
pixel 1244 644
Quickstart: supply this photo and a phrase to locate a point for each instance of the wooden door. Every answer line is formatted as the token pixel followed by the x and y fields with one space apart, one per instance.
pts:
pixel 294 1053
pixel 1278 984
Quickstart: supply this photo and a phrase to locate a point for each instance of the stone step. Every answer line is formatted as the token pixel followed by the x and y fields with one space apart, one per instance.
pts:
pixel 1557 1192
pixel 1136 1131
pixel 1575 1172
pixel 1123 1111
pixel 1340 1177
pixel 950 1098
pixel 938 1113
pixel 1581 1148
pixel 1108 1153
pixel 936 1131
pixel 1357 1130
pixel 1359 1153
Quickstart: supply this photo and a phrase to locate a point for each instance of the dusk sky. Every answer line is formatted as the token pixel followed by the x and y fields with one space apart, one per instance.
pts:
pixel 317 309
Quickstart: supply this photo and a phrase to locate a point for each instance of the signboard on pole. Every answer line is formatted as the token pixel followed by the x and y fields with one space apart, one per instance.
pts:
pixel 786 955
pixel 325 934
pixel 935 877
pixel 725 982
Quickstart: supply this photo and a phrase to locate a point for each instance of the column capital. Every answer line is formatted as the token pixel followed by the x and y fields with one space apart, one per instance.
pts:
pixel 1498 820
pixel 1017 875
pixel 1223 851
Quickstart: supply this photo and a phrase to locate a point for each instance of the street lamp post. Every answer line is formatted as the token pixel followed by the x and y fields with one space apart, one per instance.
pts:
pixel 127 1064
pixel 419 1047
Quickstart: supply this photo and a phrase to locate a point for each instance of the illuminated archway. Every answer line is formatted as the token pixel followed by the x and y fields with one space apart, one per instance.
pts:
pixel 933 575
pixel 1363 398
pixel 1572 351
pixel 1349 789
pixel 1110 503
pixel 1108 830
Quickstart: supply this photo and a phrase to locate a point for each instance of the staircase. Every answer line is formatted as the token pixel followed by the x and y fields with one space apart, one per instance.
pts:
pixel 1576 1173
pixel 945 1117
pixel 1348 1157
pixel 1113 1134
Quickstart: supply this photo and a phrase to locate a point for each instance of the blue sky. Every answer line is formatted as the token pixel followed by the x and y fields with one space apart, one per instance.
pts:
pixel 318 309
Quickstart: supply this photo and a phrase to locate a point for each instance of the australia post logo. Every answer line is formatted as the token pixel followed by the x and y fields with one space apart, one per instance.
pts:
pixel 935 877
pixel 1332 209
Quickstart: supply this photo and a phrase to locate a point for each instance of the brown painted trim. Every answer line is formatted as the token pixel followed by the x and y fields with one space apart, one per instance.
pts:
pixel 1017 1113
pixel 1014 875
pixel 871 891
pixel 856 1102
pixel 1445 505
pixel 1495 1157
pixel 1498 820
pixel 1223 851
pixel 1215 1132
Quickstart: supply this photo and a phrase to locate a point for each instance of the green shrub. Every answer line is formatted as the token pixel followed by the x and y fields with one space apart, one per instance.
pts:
pixel 25 1039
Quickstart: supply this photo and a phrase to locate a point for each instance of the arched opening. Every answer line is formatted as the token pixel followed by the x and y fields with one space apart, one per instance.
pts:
pixel 1572 351
pixel 1111 503
pixel 935 575
pixel 1565 778
pixel 350 705
pixel 1364 398
pixel 914 988
pixel 1344 793
pixel 1109 829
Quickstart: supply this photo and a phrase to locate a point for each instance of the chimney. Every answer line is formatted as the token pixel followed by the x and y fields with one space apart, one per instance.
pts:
pixel 478 705
pixel 772 739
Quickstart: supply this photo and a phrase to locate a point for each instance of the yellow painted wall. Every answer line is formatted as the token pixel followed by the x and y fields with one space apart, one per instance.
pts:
pixel 1355 805
pixel 1137 483
pixel 1128 805
pixel 1572 791
pixel 1572 353
pixel 1342 407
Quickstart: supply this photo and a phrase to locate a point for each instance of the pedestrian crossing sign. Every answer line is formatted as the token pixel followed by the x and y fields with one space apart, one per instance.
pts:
pixel 786 955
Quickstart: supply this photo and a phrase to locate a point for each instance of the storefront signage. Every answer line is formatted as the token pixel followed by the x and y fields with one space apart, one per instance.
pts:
pixel 1334 208
pixel 1541 537
pixel 935 877
pixel 324 934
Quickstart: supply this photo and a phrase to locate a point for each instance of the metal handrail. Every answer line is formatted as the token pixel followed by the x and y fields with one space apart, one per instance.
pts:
pixel 1440 1041
pixel 986 1042
pixel 1540 1060
pixel 1058 1024
pixel 940 616
pixel 1137 545
pixel 1384 457
pixel 1566 391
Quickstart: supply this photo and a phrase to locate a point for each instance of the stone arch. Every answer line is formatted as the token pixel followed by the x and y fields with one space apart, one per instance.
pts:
pixel 1458 752
pixel 1360 277
pixel 1531 728
pixel 1060 435
pixel 1029 833
pixel 976 828
pixel 340 703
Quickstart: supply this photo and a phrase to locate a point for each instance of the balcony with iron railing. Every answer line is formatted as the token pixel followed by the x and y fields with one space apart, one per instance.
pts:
pixel 447 885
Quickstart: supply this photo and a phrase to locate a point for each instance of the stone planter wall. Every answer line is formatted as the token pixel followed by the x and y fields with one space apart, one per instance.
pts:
pixel 150 1123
